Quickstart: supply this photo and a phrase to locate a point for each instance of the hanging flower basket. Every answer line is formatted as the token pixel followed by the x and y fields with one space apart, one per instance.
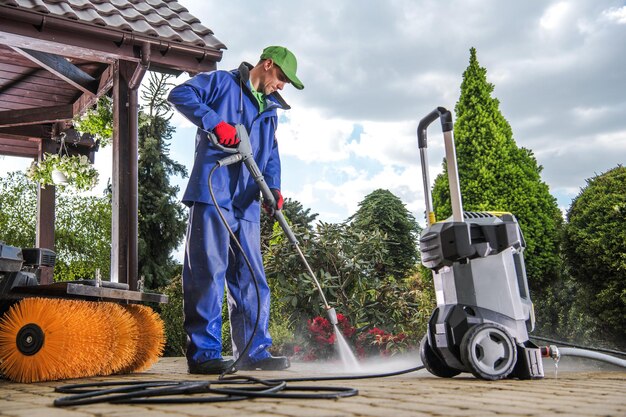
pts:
pixel 64 170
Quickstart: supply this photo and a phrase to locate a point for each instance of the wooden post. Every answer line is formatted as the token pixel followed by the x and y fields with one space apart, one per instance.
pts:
pixel 44 235
pixel 124 227
pixel 120 177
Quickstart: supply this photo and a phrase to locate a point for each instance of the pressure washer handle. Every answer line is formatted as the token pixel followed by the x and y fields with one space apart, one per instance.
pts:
pixel 439 113
pixel 244 153
pixel 216 143
pixel 445 116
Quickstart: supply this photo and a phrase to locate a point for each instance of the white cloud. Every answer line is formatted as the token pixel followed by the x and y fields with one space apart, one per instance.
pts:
pixel 557 68
pixel 309 136
pixel 616 14
pixel 180 121
pixel 555 16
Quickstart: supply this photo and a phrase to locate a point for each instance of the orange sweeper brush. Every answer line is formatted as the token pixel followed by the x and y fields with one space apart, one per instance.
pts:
pixel 124 335
pixel 151 331
pixel 43 339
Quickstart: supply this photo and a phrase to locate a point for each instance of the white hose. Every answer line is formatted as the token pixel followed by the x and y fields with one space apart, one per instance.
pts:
pixel 583 353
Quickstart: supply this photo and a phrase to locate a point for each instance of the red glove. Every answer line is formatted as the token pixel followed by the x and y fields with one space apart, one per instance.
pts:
pixel 226 134
pixel 278 197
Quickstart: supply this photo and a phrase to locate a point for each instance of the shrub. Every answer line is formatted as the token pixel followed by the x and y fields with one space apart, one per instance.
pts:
pixel 595 248
pixel 321 339
pixel 172 315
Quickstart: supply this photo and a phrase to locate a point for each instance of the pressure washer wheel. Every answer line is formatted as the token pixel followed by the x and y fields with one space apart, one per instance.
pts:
pixel 433 364
pixel 488 351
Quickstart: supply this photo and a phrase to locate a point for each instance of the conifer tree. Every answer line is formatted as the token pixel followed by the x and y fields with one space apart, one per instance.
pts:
pixel 162 219
pixel 384 212
pixel 496 175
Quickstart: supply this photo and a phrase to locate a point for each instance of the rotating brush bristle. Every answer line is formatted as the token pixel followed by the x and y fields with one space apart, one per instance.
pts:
pixel 47 339
pixel 151 332
pixel 43 339
pixel 32 341
pixel 96 350
pixel 124 335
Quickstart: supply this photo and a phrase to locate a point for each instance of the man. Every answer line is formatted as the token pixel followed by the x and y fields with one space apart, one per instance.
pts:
pixel 215 102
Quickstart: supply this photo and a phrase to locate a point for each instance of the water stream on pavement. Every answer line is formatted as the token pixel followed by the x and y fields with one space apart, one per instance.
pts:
pixel 345 352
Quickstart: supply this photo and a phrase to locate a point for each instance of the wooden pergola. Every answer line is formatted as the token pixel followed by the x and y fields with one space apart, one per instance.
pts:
pixel 58 58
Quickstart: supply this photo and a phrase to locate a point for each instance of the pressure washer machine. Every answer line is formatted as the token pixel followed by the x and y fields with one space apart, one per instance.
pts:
pixel 484 312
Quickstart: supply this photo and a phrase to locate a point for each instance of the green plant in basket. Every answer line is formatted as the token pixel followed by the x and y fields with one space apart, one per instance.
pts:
pixel 64 170
pixel 97 121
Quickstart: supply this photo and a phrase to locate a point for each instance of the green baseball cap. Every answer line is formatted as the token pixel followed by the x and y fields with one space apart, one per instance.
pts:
pixel 286 60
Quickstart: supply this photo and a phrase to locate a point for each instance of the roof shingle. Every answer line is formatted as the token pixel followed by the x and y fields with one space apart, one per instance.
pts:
pixel 163 19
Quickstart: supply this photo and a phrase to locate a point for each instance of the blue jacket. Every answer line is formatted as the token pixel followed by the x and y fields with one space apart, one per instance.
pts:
pixel 206 100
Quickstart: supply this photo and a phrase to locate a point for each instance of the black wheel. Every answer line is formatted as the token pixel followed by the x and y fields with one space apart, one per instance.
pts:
pixel 432 363
pixel 488 351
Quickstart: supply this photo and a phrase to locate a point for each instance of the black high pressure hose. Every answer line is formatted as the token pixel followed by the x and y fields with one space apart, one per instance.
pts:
pixel 237 387
pixel 233 367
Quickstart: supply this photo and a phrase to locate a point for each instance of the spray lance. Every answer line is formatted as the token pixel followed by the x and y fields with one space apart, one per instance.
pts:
pixel 243 153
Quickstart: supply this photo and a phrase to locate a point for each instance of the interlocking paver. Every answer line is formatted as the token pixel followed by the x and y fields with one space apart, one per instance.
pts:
pixel 587 393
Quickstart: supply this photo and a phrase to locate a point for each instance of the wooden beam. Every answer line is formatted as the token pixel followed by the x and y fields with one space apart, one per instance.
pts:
pixel 13 145
pixel 86 101
pixel 124 226
pixel 84 291
pixel 27 132
pixel 58 41
pixel 62 68
pixel 40 115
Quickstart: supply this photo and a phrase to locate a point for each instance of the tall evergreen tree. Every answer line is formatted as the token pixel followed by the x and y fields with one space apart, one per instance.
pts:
pixel 384 212
pixel 496 175
pixel 162 218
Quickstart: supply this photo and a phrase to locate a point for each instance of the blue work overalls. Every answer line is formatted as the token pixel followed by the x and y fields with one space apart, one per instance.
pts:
pixel 206 100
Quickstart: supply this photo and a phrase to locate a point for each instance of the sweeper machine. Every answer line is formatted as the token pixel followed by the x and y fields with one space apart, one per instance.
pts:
pixel 484 312
pixel 71 329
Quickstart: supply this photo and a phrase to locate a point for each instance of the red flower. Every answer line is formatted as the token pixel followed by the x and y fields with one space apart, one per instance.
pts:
pixel 319 325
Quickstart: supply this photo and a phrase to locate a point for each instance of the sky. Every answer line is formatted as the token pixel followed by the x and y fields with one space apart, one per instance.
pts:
pixel 373 69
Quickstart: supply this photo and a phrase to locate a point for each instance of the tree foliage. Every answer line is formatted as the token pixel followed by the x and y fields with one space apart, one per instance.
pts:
pixel 496 175
pixel 173 318
pixel 18 210
pixel 82 227
pixel 346 261
pixel 293 211
pixel 383 212
pixel 162 218
pixel 595 248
